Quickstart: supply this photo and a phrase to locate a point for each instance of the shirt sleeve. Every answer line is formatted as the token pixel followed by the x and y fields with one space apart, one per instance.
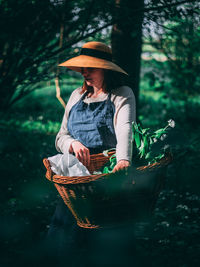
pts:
pixel 63 138
pixel 125 114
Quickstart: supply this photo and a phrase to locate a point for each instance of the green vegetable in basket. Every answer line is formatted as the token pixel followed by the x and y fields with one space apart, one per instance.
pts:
pixel 108 168
pixel 146 148
pixel 148 145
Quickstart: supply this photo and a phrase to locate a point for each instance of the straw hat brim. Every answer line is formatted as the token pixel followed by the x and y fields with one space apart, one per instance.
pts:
pixel 83 61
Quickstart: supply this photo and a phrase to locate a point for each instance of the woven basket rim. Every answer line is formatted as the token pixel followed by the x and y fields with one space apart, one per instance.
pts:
pixel 89 178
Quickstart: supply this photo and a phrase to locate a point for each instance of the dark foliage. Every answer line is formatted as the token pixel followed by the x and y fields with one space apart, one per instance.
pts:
pixel 176 35
pixel 30 40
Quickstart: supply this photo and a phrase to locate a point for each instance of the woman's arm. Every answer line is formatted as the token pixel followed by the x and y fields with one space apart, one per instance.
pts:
pixel 125 114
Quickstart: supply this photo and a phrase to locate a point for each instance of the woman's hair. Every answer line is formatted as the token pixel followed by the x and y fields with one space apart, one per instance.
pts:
pixel 112 80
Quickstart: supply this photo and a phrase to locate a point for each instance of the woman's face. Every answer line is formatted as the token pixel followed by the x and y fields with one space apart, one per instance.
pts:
pixel 93 76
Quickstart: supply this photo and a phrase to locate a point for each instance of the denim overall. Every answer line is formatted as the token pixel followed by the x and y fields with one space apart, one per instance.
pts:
pixel 92 124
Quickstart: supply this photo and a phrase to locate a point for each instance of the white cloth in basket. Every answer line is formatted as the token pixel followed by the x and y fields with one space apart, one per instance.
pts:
pixel 67 165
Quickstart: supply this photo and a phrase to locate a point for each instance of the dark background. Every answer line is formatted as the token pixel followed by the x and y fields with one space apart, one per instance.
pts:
pixel 157 43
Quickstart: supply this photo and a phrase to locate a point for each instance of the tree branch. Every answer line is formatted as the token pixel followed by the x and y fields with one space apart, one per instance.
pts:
pixel 167 5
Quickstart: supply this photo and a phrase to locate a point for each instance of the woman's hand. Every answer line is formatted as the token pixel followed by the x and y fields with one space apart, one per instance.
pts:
pixel 81 152
pixel 122 164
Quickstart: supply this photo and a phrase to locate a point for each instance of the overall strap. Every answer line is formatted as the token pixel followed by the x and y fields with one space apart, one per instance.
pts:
pixel 84 95
pixel 109 96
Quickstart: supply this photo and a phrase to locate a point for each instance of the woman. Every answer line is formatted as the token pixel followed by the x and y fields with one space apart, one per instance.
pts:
pixel 99 115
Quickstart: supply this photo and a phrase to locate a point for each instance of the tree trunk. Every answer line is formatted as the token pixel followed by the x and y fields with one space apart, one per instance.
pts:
pixel 126 39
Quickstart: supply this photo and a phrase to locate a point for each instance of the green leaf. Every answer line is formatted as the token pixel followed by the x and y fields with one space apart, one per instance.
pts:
pixel 151 141
pixel 137 140
pixel 144 131
pixel 105 170
pixel 136 128
pixel 146 144
pixel 148 155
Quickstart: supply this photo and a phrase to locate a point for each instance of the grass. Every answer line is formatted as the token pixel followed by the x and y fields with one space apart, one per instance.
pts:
pixel 40 111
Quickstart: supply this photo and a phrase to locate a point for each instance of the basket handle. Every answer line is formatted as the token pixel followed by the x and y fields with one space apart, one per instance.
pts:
pixel 49 173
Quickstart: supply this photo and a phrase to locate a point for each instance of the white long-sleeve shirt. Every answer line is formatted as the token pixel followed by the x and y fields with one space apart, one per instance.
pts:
pixel 125 113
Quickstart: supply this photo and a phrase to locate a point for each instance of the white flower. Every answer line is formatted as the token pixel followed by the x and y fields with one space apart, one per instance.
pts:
pixel 163 137
pixel 105 153
pixel 155 140
pixel 171 123
pixel 166 147
pixel 183 207
pixel 164 223
pixel 40 118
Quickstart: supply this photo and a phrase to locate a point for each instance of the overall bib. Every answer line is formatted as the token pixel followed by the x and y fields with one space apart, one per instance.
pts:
pixel 92 124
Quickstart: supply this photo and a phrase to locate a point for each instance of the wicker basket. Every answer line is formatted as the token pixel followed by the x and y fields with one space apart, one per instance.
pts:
pixel 110 199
